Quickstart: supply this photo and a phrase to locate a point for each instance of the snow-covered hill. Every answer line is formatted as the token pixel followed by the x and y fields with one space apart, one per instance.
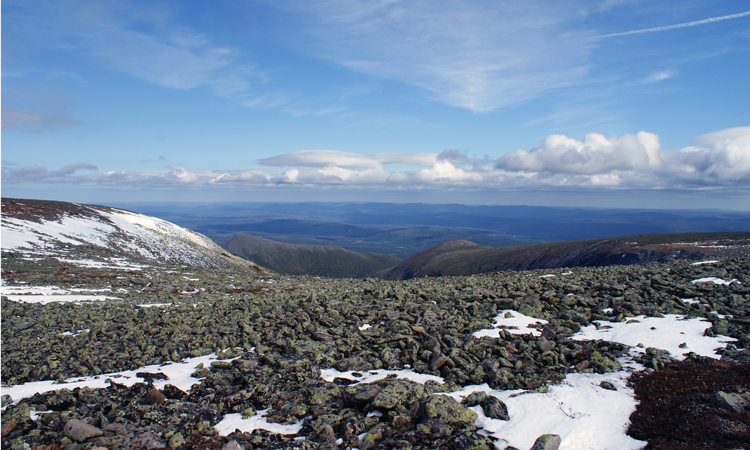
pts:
pixel 93 235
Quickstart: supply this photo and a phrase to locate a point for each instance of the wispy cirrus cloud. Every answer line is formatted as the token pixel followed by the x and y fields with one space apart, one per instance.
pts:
pixel 144 41
pixel 474 55
pixel 659 76
pixel 679 25
pixel 720 160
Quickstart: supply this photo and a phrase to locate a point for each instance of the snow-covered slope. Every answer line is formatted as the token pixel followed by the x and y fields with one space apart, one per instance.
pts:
pixel 37 228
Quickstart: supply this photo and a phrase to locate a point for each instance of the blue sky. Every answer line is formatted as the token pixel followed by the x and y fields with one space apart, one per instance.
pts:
pixel 599 103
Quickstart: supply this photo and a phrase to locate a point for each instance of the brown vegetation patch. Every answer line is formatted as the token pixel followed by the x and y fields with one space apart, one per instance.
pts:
pixel 677 411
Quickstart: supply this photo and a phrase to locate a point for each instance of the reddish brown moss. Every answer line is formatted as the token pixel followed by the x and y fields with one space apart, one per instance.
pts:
pixel 676 411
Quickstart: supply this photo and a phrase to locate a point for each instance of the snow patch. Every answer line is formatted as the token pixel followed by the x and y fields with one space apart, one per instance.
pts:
pixel 232 422
pixel 700 263
pixel 179 375
pixel 666 333
pixel 370 376
pixel 513 322
pixel 715 280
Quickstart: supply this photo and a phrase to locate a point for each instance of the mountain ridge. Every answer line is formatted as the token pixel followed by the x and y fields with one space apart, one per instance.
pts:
pixel 452 259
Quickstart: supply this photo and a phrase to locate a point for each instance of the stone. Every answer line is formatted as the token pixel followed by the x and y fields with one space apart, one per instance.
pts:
pixel 173 392
pixel 232 445
pixel 471 441
pixel 731 401
pixel 474 399
pixel 374 435
pixel 79 430
pixel 176 440
pixel 8 426
pixel 147 441
pixel 442 409
pixel 398 393
pixel 438 362
pixel 494 408
pixel 607 385
pixel 547 332
pixel 547 442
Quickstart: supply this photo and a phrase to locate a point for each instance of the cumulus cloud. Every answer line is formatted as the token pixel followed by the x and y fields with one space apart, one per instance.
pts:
pixel 719 160
pixel 595 154
pixel 33 122
pixel 722 157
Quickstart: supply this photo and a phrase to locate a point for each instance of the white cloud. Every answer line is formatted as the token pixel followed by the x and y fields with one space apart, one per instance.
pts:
pixel 722 157
pixel 325 158
pixel 443 172
pixel 143 41
pixel 659 76
pixel 474 54
pixel 680 25
pixel 32 122
pixel 720 160
pixel 595 154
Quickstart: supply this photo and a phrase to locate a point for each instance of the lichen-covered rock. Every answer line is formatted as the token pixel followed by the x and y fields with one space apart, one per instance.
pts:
pixel 438 409
pixel 398 394
pixel 734 402
pixel 471 441
pixel 547 442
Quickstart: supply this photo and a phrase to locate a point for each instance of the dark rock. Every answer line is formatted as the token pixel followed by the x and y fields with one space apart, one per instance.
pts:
pixel 359 394
pixel 374 435
pixel 607 385
pixel 547 332
pixel 547 442
pixel 471 441
pixel 474 398
pixel 173 392
pixel 494 408
pixel 150 377
pixel 731 401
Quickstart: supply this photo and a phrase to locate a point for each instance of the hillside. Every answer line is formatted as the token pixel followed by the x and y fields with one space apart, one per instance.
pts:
pixel 314 260
pixel 467 258
pixel 93 235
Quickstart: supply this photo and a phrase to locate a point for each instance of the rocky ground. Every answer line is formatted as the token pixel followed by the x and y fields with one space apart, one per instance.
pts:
pixel 283 330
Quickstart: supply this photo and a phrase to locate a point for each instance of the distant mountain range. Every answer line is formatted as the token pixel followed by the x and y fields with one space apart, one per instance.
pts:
pixel 467 258
pixel 315 260
pixel 405 229
pixel 101 235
